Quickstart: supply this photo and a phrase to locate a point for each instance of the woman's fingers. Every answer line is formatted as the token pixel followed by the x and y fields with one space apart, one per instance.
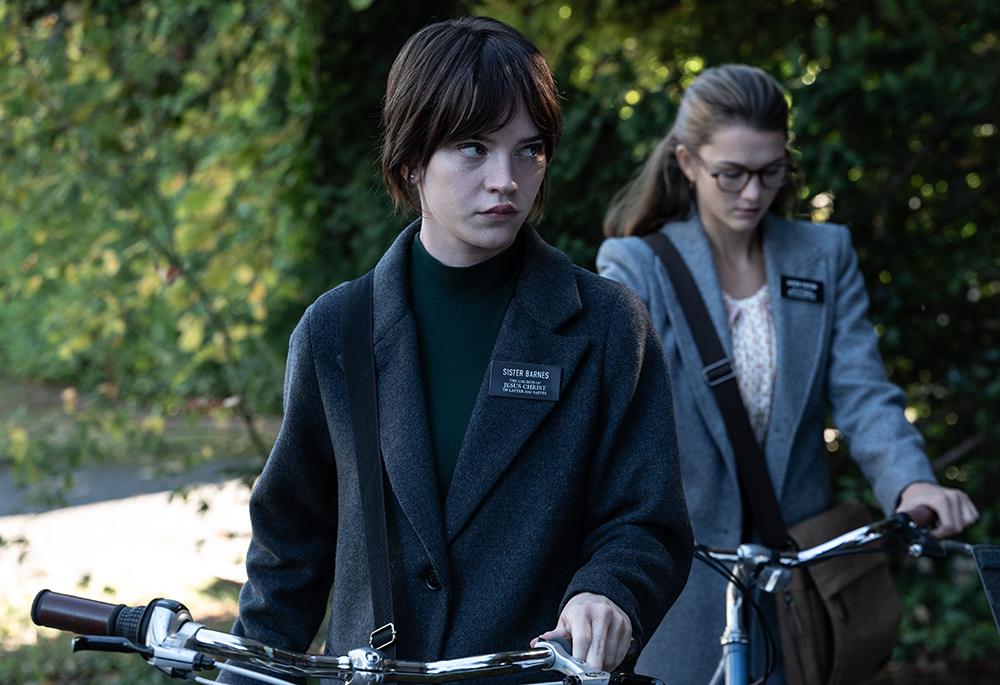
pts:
pixel 947 519
pixel 599 630
pixel 619 641
pixel 954 509
pixel 970 514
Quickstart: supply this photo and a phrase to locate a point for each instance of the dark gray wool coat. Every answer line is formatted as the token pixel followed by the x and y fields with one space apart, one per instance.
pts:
pixel 549 498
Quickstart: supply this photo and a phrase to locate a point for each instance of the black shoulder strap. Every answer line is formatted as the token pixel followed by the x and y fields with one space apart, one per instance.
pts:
pixel 718 372
pixel 356 330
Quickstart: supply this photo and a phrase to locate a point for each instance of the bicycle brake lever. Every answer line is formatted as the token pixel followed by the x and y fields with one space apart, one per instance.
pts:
pixel 575 671
pixel 774 578
pixel 928 547
pixel 562 657
pixel 94 643
pixel 956 546
pixel 921 543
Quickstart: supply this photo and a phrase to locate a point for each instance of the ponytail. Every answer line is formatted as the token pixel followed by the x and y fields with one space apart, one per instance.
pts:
pixel 659 192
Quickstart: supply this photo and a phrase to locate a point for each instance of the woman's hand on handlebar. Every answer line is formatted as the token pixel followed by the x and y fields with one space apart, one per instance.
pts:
pixel 600 631
pixel 955 511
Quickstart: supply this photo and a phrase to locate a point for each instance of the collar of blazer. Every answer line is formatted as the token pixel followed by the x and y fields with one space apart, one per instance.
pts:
pixel 791 248
pixel 545 299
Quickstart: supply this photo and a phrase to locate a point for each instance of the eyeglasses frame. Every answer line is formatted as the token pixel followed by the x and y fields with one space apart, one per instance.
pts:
pixel 759 173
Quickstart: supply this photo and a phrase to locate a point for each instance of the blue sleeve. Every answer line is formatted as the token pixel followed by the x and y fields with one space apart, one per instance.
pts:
pixel 865 405
pixel 627 260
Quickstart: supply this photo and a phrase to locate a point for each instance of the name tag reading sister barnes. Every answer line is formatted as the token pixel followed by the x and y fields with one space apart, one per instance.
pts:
pixel 527 381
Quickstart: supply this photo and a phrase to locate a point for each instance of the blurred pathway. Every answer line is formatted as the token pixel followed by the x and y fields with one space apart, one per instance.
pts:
pixel 124 539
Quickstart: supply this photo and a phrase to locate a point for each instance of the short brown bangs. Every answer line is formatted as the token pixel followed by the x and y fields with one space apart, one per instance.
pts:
pixel 487 96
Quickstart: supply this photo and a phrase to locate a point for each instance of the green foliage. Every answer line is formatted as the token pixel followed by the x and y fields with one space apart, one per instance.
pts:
pixel 50 659
pixel 137 151
pixel 53 661
pixel 346 215
pixel 947 613
pixel 146 148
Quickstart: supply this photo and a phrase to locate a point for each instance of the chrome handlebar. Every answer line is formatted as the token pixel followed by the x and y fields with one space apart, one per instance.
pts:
pixel 178 646
pixel 772 569
pixel 366 665
pixel 164 634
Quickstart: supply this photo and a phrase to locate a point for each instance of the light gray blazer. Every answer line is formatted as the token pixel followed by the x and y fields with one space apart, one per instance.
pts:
pixel 827 359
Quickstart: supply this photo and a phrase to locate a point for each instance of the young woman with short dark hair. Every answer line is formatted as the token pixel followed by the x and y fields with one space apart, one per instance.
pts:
pixel 524 406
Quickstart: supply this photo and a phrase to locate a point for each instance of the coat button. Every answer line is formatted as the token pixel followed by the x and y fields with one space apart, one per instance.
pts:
pixel 432 581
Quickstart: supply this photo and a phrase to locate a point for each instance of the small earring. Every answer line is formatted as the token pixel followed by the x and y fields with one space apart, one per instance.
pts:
pixel 412 177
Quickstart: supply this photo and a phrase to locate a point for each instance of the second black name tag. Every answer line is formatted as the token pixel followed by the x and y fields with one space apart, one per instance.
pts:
pixel 527 381
pixel 802 289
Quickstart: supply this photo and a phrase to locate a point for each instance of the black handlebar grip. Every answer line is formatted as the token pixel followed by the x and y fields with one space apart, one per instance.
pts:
pixel 129 623
pixel 923 516
pixel 75 614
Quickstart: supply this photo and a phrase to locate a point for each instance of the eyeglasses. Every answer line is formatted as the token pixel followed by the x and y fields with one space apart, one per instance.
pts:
pixel 734 178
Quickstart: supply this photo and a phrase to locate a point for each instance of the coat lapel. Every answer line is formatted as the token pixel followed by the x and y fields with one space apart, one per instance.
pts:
pixel 405 440
pixel 545 298
pixel 800 328
pixel 692 243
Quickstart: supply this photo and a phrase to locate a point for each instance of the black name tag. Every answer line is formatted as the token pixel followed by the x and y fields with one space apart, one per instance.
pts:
pixel 527 381
pixel 802 289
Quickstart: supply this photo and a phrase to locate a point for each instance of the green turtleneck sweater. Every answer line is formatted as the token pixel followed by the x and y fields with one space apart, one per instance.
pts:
pixel 458 311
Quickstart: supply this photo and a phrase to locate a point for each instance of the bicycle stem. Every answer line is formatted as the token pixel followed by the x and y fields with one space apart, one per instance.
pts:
pixel 735 630
pixel 735 640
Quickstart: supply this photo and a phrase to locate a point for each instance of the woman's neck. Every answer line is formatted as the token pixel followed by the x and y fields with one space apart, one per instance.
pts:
pixel 739 260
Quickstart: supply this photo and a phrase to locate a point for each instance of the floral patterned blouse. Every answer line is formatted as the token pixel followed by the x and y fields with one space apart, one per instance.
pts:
pixel 751 326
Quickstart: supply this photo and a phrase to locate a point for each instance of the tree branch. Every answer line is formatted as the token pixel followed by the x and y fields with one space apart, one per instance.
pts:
pixel 957 452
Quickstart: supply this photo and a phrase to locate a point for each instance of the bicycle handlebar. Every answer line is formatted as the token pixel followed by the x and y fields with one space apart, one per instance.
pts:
pixel 164 633
pixel 911 526
pixel 923 516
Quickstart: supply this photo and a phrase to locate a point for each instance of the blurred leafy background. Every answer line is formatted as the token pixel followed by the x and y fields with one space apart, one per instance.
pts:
pixel 179 179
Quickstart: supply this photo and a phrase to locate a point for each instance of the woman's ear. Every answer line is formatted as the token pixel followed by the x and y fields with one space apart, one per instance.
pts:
pixel 686 162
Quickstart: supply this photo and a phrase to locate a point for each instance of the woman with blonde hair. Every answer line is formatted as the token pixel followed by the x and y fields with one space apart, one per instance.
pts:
pixel 788 303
